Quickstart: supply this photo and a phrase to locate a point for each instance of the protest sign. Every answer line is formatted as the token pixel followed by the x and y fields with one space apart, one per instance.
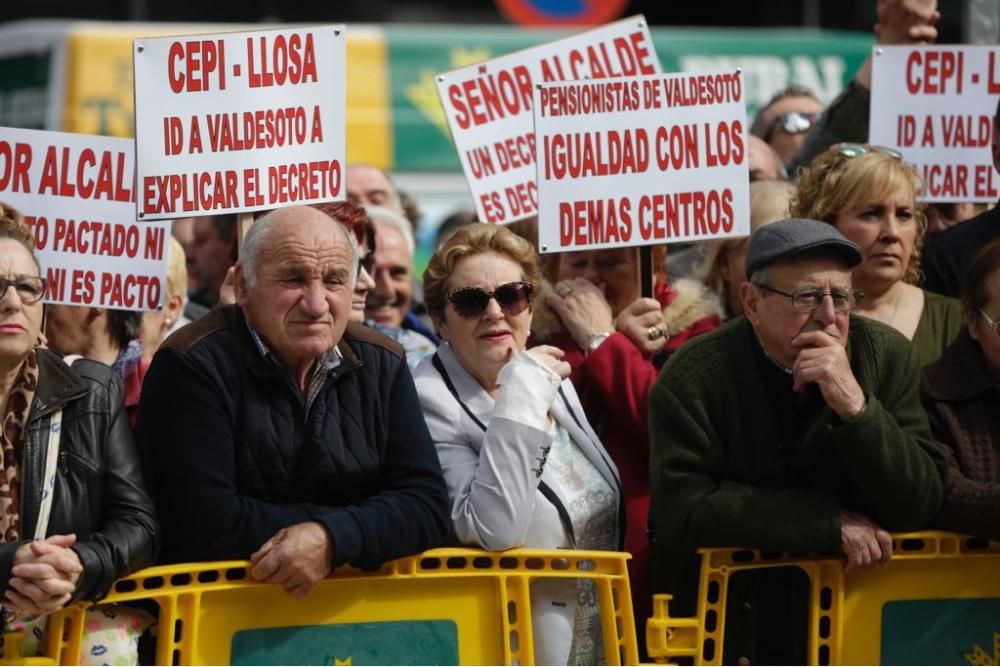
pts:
pixel 641 160
pixel 239 122
pixel 935 104
pixel 488 107
pixel 76 192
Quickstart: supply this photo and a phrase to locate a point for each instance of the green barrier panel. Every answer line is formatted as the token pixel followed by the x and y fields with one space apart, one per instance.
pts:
pixel 770 59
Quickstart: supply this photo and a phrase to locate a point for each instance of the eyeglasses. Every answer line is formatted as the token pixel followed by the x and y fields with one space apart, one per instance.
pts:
pixel 809 300
pixel 993 325
pixel 29 288
pixel 471 302
pixel 796 122
pixel 854 150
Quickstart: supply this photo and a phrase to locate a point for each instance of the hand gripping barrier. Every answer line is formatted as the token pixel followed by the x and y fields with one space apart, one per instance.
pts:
pixel 445 606
pixel 936 602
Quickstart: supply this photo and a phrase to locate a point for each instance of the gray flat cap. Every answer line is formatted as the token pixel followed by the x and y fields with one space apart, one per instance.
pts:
pixel 785 238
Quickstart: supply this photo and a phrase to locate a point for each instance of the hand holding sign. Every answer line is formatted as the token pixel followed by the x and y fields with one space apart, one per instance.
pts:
pixel 906 21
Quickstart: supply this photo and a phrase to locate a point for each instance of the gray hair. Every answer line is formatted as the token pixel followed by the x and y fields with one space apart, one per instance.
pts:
pixel 261 229
pixel 380 214
pixel 761 276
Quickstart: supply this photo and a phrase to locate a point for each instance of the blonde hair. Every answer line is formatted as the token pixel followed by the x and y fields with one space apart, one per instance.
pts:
pixel 835 182
pixel 769 202
pixel 177 277
pixel 13 227
pixel 475 239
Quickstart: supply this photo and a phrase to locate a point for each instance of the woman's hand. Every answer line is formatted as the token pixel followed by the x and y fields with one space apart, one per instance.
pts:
pixel 582 309
pixel 640 323
pixel 45 575
pixel 551 358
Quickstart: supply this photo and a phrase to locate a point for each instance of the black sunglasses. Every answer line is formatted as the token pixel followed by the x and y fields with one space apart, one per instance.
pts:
pixel 471 302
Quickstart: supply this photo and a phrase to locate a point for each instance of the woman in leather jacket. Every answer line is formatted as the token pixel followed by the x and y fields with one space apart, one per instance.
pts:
pixel 74 512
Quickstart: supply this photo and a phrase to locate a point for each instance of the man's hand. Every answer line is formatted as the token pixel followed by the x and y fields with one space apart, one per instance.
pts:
pixel 582 308
pixel 635 322
pixel 296 558
pixel 45 575
pixel 823 360
pixel 906 21
pixel 863 542
pixel 552 358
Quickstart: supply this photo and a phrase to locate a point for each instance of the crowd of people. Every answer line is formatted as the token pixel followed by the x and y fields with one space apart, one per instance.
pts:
pixel 301 401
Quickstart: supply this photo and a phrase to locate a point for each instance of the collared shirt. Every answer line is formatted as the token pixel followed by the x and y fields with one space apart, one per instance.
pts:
pixel 324 364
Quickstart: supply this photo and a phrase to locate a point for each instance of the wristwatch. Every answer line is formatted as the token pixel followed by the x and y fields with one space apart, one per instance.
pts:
pixel 594 340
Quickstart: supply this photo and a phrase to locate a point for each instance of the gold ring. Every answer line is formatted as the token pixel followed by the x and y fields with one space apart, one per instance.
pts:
pixel 654 333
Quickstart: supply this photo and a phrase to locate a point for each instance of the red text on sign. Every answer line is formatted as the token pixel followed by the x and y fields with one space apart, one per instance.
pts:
pixel 278 60
pixel 14 164
pixel 289 183
pixel 129 291
pixel 491 96
pixel 190 65
pixel 930 71
pixel 87 175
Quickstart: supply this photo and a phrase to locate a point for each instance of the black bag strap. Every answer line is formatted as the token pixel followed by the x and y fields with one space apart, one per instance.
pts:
pixel 544 488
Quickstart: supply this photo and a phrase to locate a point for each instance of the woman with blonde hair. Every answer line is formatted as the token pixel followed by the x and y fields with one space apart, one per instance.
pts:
pixel 523 466
pixel 869 194
pixel 723 269
pixel 158 324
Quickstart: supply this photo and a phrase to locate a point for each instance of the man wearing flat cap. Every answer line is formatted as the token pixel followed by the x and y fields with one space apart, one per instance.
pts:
pixel 795 428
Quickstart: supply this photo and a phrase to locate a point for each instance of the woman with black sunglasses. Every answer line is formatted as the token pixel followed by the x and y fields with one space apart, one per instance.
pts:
pixel 522 465
pixel 961 392
pixel 869 194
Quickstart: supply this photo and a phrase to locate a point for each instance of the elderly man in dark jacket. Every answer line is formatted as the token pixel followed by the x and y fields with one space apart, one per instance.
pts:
pixel 796 428
pixel 275 430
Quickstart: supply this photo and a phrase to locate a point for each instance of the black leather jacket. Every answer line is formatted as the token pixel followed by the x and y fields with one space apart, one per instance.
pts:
pixel 99 492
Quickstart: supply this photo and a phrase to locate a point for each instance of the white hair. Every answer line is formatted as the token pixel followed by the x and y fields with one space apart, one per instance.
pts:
pixel 259 232
pixel 380 214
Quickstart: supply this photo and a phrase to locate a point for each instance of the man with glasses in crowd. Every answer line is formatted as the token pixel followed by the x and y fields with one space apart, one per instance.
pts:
pixel 276 430
pixel 797 428
pixel 784 121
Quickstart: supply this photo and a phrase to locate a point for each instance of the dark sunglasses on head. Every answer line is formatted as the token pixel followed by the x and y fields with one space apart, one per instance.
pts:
pixel 854 150
pixel 470 302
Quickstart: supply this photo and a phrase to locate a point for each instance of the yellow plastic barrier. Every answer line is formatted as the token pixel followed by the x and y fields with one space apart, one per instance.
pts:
pixel 936 602
pixel 446 606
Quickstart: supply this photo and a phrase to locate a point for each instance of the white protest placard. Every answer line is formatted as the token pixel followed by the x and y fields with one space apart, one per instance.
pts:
pixel 935 104
pixel 76 192
pixel 488 107
pixel 239 122
pixel 641 160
